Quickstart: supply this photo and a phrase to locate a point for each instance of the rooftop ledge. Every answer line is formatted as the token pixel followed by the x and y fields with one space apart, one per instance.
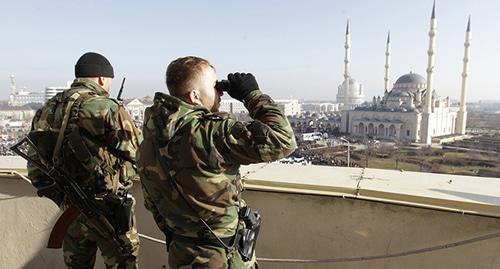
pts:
pixel 462 194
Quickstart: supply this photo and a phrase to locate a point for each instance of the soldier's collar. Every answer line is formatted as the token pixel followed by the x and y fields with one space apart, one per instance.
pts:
pixel 88 83
pixel 174 103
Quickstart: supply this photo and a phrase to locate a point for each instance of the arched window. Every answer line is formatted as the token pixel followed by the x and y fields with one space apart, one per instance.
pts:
pixel 392 130
pixel 370 129
pixel 361 128
pixel 381 129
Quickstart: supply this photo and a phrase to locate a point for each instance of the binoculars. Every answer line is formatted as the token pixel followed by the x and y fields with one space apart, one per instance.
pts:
pixel 223 85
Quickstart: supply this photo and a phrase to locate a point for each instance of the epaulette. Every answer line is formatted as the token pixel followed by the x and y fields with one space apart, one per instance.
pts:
pixel 216 116
pixel 94 96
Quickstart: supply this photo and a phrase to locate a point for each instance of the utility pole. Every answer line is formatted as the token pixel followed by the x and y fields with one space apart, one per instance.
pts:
pixel 367 152
pixel 348 151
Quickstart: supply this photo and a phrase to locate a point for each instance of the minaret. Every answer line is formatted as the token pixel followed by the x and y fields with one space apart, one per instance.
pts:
pixel 462 112
pixel 347 61
pixel 387 61
pixel 428 106
pixel 12 83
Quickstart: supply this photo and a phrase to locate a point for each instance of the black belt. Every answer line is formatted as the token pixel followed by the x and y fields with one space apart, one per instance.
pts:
pixel 228 241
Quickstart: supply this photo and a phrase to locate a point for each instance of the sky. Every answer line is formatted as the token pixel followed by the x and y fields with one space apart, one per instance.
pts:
pixel 294 48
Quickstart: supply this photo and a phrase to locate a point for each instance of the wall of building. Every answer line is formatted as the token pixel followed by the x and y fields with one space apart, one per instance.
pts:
pixel 52 91
pixel 443 121
pixel 16 113
pixel 289 107
pixel 320 107
pixel 395 124
pixel 232 106
pixel 24 97
pixel 295 226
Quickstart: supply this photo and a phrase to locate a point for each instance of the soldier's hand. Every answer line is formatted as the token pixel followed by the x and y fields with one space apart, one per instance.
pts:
pixel 241 85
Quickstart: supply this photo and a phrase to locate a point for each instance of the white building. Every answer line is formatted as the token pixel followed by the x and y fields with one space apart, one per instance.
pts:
pixel 412 110
pixel 23 97
pixel 398 114
pixel 356 95
pixel 15 118
pixel 136 108
pixel 289 107
pixel 324 107
pixel 16 113
pixel 52 91
pixel 12 126
pixel 232 106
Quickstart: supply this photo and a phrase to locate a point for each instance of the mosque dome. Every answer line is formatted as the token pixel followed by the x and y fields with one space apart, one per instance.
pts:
pixel 411 78
pixel 410 82
pixel 356 93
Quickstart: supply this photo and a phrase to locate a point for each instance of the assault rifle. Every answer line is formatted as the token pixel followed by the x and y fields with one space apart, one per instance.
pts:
pixel 80 201
pixel 119 97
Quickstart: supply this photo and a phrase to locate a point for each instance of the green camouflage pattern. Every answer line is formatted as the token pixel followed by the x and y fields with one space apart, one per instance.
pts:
pixel 105 121
pixel 189 256
pixel 81 243
pixel 111 138
pixel 203 152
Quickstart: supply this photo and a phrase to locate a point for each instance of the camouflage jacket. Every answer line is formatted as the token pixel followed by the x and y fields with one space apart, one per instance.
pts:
pixel 106 129
pixel 203 152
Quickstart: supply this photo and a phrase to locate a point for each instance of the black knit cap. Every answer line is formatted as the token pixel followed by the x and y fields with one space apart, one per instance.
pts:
pixel 93 64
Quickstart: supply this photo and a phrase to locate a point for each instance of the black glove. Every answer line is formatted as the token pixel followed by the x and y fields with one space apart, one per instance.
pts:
pixel 241 85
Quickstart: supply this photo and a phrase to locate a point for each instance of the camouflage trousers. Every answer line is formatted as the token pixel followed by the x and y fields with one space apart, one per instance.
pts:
pixel 186 256
pixel 81 243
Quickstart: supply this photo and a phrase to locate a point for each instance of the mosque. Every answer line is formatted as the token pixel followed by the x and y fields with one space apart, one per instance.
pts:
pixel 356 94
pixel 409 112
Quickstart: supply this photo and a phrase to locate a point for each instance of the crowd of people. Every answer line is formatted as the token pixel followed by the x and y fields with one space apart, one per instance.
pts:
pixel 317 158
pixel 5 144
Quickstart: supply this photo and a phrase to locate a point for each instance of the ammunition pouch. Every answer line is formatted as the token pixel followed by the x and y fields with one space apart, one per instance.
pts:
pixel 119 210
pixel 248 236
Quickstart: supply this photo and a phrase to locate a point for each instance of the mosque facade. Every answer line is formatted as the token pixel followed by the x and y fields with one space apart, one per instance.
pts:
pixel 398 114
pixel 409 112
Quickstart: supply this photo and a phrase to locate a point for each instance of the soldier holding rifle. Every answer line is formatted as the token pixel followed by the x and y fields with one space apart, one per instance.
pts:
pixel 82 156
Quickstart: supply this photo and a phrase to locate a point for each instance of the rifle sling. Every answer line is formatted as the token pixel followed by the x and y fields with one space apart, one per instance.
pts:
pixel 205 241
pixel 64 124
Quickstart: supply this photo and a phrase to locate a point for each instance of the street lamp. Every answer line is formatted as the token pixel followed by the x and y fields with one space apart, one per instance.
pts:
pixel 348 150
pixel 398 154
